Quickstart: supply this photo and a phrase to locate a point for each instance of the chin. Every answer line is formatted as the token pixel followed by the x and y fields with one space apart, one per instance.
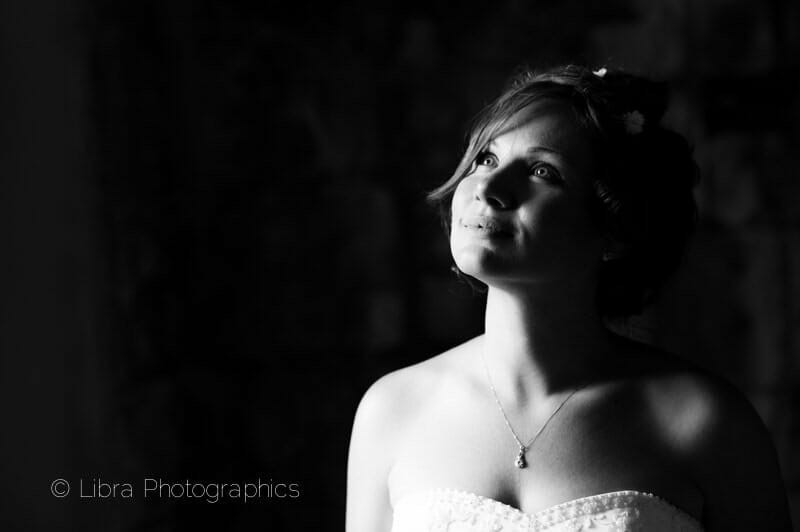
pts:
pixel 494 269
pixel 481 264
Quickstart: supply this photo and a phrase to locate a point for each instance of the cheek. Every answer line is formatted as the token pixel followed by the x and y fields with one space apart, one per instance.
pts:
pixel 563 227
pixel 461 197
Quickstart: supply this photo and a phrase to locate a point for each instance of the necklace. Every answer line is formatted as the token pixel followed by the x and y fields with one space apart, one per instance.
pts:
pixel 520 462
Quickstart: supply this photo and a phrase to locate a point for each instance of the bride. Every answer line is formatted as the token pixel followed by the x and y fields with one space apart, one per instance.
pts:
pixel 572 205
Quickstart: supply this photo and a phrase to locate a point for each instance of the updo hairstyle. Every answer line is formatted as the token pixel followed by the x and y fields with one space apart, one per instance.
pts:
pixel 643 178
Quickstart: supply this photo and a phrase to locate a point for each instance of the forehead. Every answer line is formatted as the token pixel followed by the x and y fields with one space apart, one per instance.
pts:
pixel 549 124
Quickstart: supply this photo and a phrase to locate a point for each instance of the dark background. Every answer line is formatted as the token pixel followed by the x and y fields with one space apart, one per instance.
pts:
pixel 214 235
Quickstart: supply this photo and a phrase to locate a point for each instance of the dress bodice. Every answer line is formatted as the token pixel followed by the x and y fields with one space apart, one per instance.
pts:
pixel 448 510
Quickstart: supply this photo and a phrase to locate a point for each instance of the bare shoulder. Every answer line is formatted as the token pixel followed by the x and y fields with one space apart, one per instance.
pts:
pixel 398 396
pixel 713 429
pixel 698 409
pixel 387 408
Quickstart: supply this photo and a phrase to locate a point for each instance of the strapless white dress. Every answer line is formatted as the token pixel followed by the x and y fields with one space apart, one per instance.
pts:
pixel 448 510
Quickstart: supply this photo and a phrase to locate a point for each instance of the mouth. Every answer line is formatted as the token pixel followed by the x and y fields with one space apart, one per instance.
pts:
pixel 486 226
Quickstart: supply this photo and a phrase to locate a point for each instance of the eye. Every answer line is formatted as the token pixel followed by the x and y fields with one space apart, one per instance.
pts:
pixel 544 171
pixel 486 158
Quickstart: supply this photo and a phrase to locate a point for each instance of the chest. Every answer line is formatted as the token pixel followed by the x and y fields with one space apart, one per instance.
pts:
pixel 584 450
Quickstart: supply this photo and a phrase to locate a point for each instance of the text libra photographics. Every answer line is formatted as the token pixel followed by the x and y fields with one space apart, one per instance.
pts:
pixel 211 492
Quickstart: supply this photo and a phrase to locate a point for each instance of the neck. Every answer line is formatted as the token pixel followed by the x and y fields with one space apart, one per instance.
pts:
pixel 539 343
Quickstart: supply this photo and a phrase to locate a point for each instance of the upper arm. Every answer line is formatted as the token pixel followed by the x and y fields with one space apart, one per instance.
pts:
pixel 736 467
pixel 370 459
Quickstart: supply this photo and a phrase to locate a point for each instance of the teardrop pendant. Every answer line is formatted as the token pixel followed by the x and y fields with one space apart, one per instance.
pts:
pixel 520 461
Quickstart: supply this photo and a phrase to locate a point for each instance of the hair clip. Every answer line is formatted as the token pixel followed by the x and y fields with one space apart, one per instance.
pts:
pixel 634 121
pixel 600 72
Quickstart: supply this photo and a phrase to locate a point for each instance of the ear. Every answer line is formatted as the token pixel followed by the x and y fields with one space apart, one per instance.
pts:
pixel 613 249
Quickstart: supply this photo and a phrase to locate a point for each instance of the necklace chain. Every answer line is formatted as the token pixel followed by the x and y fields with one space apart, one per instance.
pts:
pixel 520 462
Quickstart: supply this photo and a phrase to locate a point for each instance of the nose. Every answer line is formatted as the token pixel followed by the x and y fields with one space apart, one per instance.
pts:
pixel 495 188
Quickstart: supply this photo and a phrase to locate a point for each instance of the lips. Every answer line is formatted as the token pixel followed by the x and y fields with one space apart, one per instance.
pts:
pixel 487 226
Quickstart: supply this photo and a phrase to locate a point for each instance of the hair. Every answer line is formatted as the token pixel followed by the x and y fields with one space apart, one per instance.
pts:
pixel 643 178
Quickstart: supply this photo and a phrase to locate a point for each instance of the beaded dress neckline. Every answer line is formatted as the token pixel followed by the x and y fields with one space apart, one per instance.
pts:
pixel 451 510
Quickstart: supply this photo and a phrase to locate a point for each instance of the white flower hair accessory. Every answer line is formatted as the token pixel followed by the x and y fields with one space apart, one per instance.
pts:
pixel 600 72
pixel 634 121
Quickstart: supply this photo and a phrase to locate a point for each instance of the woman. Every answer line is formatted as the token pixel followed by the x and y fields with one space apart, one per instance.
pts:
pixel 572 204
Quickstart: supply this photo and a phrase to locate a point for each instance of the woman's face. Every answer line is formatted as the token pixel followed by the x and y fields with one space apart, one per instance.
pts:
pixel 523 213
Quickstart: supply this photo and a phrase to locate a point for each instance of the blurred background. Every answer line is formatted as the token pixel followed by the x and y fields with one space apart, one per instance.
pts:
pixel 214 235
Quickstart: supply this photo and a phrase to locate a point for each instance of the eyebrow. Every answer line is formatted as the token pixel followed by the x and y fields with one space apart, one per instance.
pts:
pixel 532 149
pixel 535 149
